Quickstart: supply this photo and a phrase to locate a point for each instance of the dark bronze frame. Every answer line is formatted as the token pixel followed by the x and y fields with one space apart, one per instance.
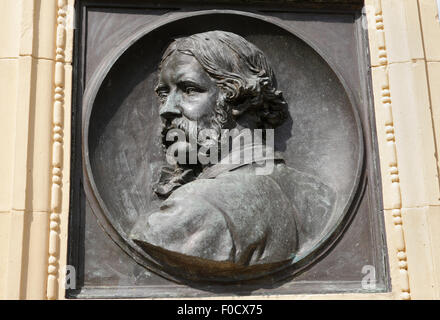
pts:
pixel 75 227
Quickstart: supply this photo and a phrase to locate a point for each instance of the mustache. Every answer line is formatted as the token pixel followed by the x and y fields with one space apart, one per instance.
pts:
pixel 189 127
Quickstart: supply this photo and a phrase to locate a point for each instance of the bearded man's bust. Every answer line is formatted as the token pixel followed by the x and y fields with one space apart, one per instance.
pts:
pixel 231 203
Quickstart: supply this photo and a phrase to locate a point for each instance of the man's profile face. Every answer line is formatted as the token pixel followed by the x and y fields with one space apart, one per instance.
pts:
pixel 186 90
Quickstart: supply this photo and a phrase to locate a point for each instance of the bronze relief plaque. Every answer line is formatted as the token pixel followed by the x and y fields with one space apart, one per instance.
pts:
pixel 223 152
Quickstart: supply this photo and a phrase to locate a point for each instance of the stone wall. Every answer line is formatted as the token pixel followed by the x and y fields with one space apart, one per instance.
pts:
pixel 36 39
pixel 35 95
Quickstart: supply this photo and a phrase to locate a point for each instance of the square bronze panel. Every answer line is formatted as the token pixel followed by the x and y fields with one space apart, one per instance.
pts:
pixel 332 29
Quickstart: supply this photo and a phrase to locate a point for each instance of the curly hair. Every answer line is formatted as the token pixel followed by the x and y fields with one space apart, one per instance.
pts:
pixel 241 70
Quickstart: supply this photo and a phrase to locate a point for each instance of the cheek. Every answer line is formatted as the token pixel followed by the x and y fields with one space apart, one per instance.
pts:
pixel 199 105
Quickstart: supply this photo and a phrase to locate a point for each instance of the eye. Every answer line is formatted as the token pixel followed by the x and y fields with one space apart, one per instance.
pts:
pixel 191 90
pixel 162 94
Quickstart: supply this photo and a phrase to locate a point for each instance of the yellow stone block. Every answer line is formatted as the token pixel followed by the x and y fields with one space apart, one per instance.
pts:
pixel 44 45
pixel 429 16
pixel 413 130
pixel 15 265
pixel 25 94
pixel 28 11
pixel 32 143
pixel 36 256
pixel 421 228
pixel 8 100
pixel 10 11
pixel 39 179
pixel 4 250
pixel 402 30
pixel 434 85
pixel 20 19
pixel 433 221
pixel 38 16
pixel 23 254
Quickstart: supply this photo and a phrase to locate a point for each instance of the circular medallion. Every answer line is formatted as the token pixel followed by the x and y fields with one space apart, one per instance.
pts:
pixel 321 143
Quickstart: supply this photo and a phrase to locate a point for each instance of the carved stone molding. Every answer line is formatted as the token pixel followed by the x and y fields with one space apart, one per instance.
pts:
pixel 57 153
pixel 392 163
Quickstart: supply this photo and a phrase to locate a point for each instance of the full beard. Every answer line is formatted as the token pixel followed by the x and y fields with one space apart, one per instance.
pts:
pixel 175 176
pixel 194 141
pixel 187 126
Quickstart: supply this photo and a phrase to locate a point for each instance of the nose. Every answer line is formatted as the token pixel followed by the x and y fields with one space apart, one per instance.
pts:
pixel 170 109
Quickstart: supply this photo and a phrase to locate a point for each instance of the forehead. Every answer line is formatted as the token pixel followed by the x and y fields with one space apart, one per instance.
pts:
pixel 179 66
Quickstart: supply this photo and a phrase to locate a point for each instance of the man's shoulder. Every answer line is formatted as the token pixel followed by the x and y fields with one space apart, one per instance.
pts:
pixel 308 184
pixel 314 200
pixel 234 181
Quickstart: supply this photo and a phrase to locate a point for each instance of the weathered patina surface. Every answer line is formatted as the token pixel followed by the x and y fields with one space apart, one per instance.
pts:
pixel 227 212
pixel 320 159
